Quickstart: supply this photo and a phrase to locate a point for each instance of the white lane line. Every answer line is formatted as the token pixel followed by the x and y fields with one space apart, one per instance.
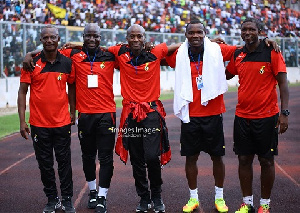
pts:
pixel 15 164
pixel 80 196
pixel 9 136
pixel 286 174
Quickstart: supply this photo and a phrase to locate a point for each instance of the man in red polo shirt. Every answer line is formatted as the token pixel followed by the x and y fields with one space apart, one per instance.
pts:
pixel 203 130
pixel 142 119
pixel 96 111
pixel 257 117
pixel 50 123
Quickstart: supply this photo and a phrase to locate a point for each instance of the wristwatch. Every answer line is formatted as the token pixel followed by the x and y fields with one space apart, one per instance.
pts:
pixel 285 112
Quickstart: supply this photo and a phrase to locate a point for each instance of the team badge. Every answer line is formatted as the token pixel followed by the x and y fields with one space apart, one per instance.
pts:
pixel 35 139
pixel 80 135
pixel 59 77
pixel 147 67
pixel 102 66
pixel 262 70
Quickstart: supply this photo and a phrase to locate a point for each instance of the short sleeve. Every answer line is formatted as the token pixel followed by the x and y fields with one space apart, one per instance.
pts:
pixel 277 62
pixel 171 59
pixel 114 50
pixel 227 51
pixel 231 66
pixel 66 52
pixel 71 78
pixel 25 76
pixel 160 50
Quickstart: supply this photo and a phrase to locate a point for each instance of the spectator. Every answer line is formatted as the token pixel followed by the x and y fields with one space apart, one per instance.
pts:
pixel 165 15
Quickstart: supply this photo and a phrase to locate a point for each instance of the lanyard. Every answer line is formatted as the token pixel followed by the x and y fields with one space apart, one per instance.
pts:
pixel 91 62
pixel 197 66
pixel 131 62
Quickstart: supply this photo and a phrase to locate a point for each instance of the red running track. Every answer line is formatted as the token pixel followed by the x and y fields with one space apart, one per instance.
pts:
pixel 21 188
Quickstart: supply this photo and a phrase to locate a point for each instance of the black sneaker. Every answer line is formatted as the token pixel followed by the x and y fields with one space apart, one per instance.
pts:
pixel 92 203
pixel 52 205
pixel 144 205
pixel 67 205
pixel 158 205
pixel 101 205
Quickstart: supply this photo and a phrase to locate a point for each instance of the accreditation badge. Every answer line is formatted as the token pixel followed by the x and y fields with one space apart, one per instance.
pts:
pixel 199 82
pixel 92 81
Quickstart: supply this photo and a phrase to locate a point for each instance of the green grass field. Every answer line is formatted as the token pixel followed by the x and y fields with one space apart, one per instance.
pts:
pixel 10 123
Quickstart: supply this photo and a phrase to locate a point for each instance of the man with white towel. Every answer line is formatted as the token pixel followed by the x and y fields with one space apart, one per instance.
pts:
pixel 200 82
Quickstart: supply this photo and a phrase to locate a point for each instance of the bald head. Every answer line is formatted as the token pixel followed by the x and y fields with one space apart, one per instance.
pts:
pixel 91 27
pixel 51 28
pixel 135 27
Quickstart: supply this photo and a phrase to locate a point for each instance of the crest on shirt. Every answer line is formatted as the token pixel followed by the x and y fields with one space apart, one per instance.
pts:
pixel 147 67
pixel 35 139
pixel 102 66
pixel 59 77
pixel 262 70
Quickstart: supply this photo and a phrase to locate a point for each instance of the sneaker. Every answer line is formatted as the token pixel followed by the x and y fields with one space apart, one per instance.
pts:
pixel 264 209
pixel 92 203
pixel 244 208
pixel 67 205
pixel 144 205
pixel 158 205
pixel 52 205
pixel 101 205
pixel 221 205
pixel 192 204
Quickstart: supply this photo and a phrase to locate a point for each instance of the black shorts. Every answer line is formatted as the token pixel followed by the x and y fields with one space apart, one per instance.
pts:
pixel 256 136
pixel 203 134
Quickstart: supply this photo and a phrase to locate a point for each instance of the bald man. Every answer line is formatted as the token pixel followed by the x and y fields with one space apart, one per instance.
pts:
pixel 96 112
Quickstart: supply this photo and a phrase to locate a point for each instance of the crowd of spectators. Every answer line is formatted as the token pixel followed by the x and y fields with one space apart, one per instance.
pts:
pixel 220 16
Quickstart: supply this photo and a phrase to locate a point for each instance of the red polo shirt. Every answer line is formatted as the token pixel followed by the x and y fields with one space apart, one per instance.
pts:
pixel 215 106
pixel 140 76
pixel 48 98
pixel 257 96
pixel 93 100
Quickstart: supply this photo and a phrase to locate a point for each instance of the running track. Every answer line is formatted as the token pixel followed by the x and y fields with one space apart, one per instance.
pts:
pixel 21 188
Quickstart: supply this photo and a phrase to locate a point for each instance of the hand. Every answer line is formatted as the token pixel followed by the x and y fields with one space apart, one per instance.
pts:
pixel 24 130
pixel 218 40
pixel 69 46
pixel 273 43
pixel 28 64
pixel 120 44
pixel 73 118
pixel 282 123
pixel 104 49
pixel 149 46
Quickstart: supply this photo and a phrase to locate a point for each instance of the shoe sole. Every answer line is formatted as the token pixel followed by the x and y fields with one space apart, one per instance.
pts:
pixel 145 211
pixel 57 206
pixel 64 209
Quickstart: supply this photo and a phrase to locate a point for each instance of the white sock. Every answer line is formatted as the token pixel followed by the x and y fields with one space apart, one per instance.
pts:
pixel 102 192
pixel 265 201
pixel 218 193
pixel 194 193
pixel 92 185
pixel 248 200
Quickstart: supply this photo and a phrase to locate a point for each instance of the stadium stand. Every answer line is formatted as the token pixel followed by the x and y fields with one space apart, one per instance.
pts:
pixel 281 17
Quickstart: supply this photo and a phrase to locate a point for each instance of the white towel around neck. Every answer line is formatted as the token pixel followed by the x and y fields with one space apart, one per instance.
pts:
pixel 213 75
pixel 213 72
pixel 183 91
